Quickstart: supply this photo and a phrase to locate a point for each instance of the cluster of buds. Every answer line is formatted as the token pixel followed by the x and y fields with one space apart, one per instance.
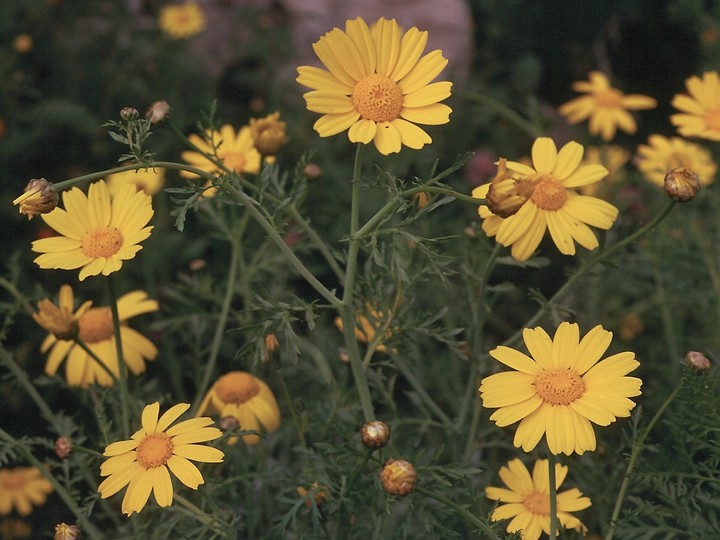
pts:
pixel 39 197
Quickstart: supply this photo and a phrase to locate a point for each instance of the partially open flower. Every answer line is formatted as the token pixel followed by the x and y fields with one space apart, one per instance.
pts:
pixel 375 434
pixel 66 532
pixel 39 197
pixel 508 191
pixel 268 134
pixel 697 361
pixel 681 184
pixel 60 320
pixel 398 477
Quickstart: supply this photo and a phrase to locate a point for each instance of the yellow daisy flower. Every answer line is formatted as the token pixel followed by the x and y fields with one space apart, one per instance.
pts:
pixel 700 110
pixel 661 155
pixel 94 327
pixel 247 399
pixel 377 85
pixel 148 180
pixel 144 462
pixel 182 20
pixel 605 106
pixel 21 488
pixel 561 388
pixel 552 203
pixel 528 499
pixel 98 231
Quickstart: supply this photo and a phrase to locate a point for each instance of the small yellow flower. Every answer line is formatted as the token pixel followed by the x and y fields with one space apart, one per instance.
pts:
pixel 377 85
pixel 528 499
pixel 268 134
pixel 94 328
pixel 699 114
pixel 561 389
pixel 553 204
pixel 144 462
pixel 605 106
pixel 246 398
pixel 182 20
pixel 39 197
pixel 21 488
pixel 662 154
pixel 98 231
pixel 149 180
pixel 366 327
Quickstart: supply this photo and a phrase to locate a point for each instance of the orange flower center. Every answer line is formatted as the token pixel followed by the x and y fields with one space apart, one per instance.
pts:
pixel 712 119
pixel 236 387
pixel 538 503
pixel 12 481
pixel 610 98
pixel 102 243
pixel 234 160
pixel 95 325
pixel 154 450
pixel 377 98
pixel 549 194
pixel 560 386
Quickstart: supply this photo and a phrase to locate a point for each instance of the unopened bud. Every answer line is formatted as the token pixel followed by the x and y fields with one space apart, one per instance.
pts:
pixel 226 423
pixel 39 197
pixel 158 111
pixel 63 447
pixel 66 532
pixel 312 171
pixel 129 114
pixel 697 361
pixel 508 193
pixel 268 134
pixel 398 477
pixel 681 184
pixel 375 434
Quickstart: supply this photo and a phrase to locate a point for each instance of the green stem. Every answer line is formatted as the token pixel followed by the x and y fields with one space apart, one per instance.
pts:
pixel 317 241
pixel 525 125
pixel 206 519
pixel 553 496
pixel 634 454
pixel 220 325
pixel 440 190
pixel 347 308
pixel 599 257
pixel 482 526
pixel 293 412
pixel 343 522
pixel 122 374
pixel 87 527
pixel 95 358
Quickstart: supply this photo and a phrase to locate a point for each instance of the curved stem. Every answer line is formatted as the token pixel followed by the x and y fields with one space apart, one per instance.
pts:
pixel 122 374
pixel 481 525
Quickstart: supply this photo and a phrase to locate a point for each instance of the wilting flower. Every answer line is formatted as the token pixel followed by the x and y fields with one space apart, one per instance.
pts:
pixel 94 327
pixel 561 389
pixel 528 499
pixel 552 204
pixel 98 231
pixel 149 180
pixel 699 114
pixel 605 106
pixel 662 154
pixel 246 398
pixel 377 85
pixel 22 488
pixel 268 134
pixel 39 197
pixel 182 20
pixel 144 462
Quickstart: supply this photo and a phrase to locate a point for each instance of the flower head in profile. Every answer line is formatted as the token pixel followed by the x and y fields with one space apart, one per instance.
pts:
pixel 144 462
pixel 94 327
pixel 561 389
pixel 22 488
pixel 699 114
pixel 527 499
pixel 246 398
pixel 39 197
pixel 149 180
pixel 377 85
pixel 662 154
pixel 182 20
pixel 551 202
pixel 98 231
pixel 605 107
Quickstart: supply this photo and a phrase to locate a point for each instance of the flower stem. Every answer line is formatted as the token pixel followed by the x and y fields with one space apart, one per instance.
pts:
pixel 553 496
pixel 482 526
pixel 347 308
pixel 634 454
pixel 59 186
pixel 95 358
pixel 122 374
pixel 343 520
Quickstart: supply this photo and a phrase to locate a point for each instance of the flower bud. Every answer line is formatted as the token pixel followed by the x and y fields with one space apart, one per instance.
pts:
pixel 129 114
pixel 312 171
pixel 697 361
pixel 507 192
pixel 681 184
pixel 39 197
pixel 226 423
pixel 63 447
pixel 66 532
pixel 158 111
pixel 375 434
pixel 398 477
pixel 268 134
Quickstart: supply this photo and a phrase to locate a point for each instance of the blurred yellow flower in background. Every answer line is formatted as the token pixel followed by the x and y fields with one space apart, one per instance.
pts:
pixel 699 114
pixel 527 501
pixel 149 180
pixel 605 107
pixel 22 488
pixel 377 85
pixel 144 462
pixel 182 20
pixel 663 154
pixel 98 231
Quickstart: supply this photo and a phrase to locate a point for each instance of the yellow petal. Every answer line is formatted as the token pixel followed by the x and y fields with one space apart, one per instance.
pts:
pixel 544 155
pixel 387 138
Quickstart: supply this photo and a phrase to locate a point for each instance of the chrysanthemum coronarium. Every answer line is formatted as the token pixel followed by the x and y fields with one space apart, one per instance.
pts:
pixel 144 462
pixel 699 108
pixel 22 488
pixel 98 231
pixel 561 389
pixel 377 85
